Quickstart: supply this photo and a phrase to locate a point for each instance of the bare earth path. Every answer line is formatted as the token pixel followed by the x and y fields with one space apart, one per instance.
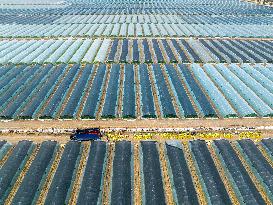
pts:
pixel 144 123
pixel 59 130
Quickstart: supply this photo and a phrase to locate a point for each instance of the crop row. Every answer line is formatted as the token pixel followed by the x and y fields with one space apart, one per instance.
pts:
pixel 135 30
pixel 27 19
pixel 145 7
pixel 162 19
pixel 215 172
pixel 109 91
pixel 135 19
pixel 135 51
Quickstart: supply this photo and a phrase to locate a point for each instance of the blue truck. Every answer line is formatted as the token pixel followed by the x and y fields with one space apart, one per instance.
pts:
pixel 89 134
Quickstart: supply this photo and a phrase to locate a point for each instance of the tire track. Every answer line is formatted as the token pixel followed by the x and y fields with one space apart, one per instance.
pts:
pixel 153 55
pixel 165 175
pixel 106 198
pixel 6 156
pixel 137 176
pixel 141 51
pixel 138 93
pixel 120 92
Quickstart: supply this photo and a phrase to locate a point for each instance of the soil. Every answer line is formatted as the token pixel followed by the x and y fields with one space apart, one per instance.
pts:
pixel 38 131
pixel 143 123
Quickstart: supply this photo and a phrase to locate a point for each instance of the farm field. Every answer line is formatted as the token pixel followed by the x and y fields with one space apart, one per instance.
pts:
pixel 182 91
pixel 135 50
pixel 195 171
pixel 81 59
pixel 74 91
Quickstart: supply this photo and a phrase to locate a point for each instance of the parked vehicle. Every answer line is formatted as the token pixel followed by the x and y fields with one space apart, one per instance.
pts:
pixel 86 134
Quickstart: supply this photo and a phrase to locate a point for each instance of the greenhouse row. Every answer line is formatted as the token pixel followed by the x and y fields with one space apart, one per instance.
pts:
pixel 135 51
pixel 136 19
pixel 162 19
pixel 198 8
pixel 135 30
pixel 145 169
pixel 109 91
pixel 165 2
